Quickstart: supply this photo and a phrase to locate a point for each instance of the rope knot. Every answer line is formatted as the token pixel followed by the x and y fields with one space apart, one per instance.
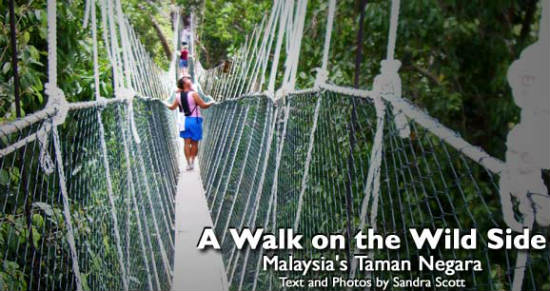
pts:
pixel 388 85
pixel 101 103
pixel 281 92
pixel 321 77
pixel 56 100
pixel 125 93
pixel 45 159
pixel 388 81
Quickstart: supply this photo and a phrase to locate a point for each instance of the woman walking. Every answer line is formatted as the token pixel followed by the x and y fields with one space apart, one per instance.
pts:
pixel 189 103
pixel 184 56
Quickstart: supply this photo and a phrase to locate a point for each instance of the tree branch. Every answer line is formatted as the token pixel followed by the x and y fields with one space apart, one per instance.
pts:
pixel 162 39
pixel 424 73
pixel 526 25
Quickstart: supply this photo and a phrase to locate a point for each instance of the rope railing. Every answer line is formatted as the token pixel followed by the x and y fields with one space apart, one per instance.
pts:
pixel 423 182
pixel 89 204
pixel 278 158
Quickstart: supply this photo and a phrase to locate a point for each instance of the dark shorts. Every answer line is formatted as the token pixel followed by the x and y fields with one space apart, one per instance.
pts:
pixel 183 63
pixel 193 128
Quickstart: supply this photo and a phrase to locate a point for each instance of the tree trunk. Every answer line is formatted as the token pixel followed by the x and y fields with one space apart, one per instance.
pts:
pixel 358 54
pixel 162 39
pixel 526 25
pixel 352 125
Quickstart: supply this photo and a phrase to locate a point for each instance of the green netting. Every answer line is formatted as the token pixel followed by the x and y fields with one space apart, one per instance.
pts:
pixel 423 183
pixel 40 259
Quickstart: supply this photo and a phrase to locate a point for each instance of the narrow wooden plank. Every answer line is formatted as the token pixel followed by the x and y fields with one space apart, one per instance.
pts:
pixel 194 269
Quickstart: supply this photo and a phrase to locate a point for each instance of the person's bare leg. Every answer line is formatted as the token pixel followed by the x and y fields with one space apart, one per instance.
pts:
pixel 194 150
pixel 187 150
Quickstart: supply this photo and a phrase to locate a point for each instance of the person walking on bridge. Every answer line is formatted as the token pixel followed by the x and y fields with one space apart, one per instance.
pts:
pixel 189 103
pixel 184 59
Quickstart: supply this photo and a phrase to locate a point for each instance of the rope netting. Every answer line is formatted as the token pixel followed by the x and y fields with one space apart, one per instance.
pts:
pixel 258 161
pixel 142 185
pixel 89 204
pixel 88 187
pixel 334 159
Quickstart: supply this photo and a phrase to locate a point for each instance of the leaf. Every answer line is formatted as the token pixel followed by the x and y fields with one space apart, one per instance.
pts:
pixel 35 237
pixel 44 207
pixel 85 285
pixel 134 279
pixel 6 67
pixel 4 177
pixel 37 220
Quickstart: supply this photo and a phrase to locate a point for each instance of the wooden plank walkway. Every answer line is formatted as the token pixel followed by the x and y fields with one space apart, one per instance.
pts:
pixel 194 269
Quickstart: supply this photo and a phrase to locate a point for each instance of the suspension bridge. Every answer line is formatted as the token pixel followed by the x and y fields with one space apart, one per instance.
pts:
pixel 94 196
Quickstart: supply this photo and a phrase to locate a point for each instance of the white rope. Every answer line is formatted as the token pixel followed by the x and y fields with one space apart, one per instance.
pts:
pixel 392 34
pixel 229 80
pixel 417 115
pixel 165 261
pixel 244 64
pixel 232 74
pixel 57 109
pixel 328 33
pixel 519 270
pixel 155 161
pixel 52 43
pixel 41 116
pixel 452 138
pixel 225 135
pixel 290 50
pixel 44 158
pixel 56 99
pixel 24 141
pixel 19 124
pixel 256 205
pixel 86 13
pixel 124 275
pixel 278 9
pixel 261 53
pixel 232 164
pixel 243 81
pixel 66 209
pixel 94 48
pixel 521 175
pixel 241 224
pixel 298 35
pixel 105 31
pixel 289 25
pixel 347 91
pixel 117 78
pixel 273 200
pixel 216 133
pixel 275 64
pixel 229 146
pixel 131 191
pixel 125 43
pixel 308 161
pixel 373 176
pixel 241 175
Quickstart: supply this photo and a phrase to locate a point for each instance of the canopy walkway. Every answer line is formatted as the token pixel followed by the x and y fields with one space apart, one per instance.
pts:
pixel 94 198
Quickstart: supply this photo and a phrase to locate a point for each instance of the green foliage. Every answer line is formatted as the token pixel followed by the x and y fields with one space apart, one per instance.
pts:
pixel 142 14
pixel 11 277
pixel 454 54
pixel 225 26
pixel 33 232
pixel 74 49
